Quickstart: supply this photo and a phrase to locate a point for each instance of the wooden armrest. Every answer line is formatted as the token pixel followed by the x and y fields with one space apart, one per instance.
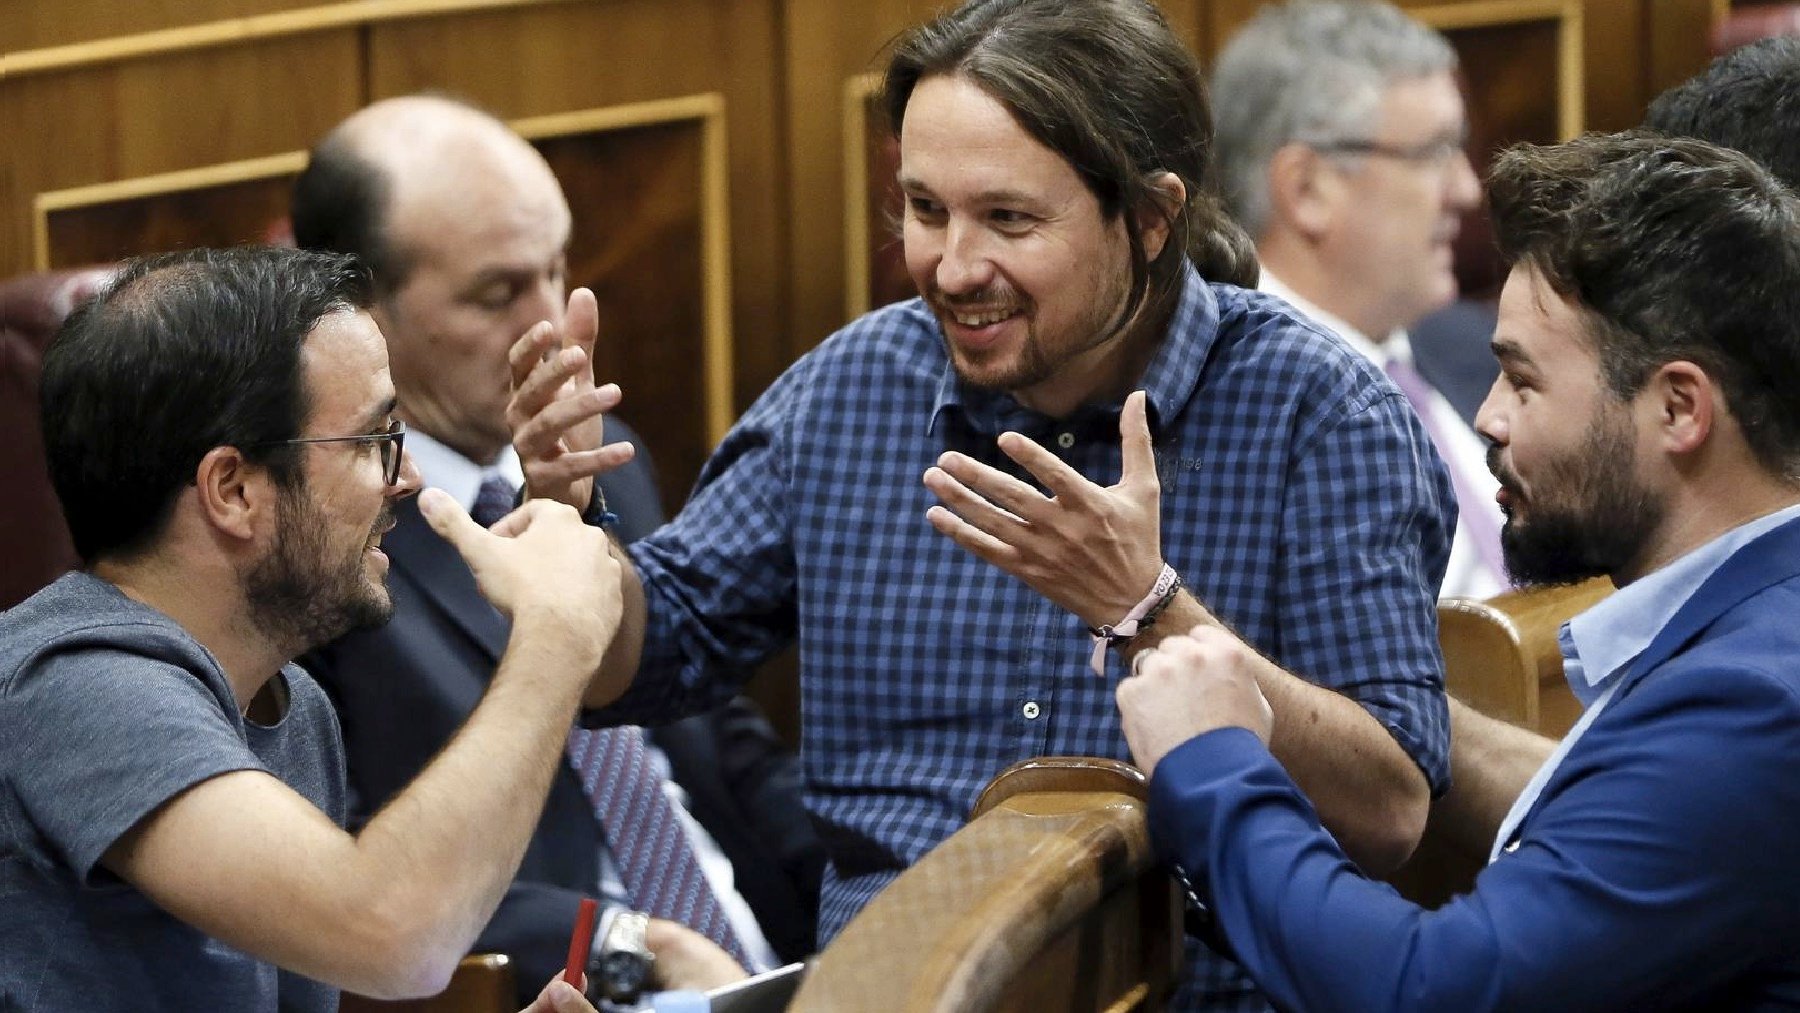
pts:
pixel 1048 899
pixel 482 983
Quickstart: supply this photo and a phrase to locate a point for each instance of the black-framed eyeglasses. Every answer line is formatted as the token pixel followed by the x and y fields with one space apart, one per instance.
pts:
pixel 1436 152
pixel 391 441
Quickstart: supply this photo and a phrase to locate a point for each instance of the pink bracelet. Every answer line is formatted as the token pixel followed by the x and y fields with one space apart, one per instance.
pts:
pixel 1142 615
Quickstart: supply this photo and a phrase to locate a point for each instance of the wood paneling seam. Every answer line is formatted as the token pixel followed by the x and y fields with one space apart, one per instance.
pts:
pixel 350 14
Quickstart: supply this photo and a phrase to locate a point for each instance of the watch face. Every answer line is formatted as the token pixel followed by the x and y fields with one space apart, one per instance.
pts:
pixel 623 975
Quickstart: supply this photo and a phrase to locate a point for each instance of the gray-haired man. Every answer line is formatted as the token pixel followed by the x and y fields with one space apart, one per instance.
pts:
pixel 1340 141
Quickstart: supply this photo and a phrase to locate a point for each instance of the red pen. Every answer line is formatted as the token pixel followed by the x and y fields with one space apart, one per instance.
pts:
pixel 580 942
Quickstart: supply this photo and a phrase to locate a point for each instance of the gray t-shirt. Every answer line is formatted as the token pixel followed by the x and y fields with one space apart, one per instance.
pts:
pixel 108 709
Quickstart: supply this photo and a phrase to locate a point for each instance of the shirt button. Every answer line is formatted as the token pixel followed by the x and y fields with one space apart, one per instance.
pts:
pixel 1065 440
pixel 1031 710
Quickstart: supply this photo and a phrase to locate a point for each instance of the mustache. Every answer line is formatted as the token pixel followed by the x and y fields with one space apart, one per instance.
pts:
pixel 384 522
pixel 1498 468
pixel 997 295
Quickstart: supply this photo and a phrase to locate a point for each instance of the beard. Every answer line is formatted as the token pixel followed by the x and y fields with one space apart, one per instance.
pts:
pixel 299 595
pixel 1588 515
pixel 1041 356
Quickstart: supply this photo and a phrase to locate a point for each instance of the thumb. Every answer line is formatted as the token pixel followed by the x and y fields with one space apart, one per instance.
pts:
pixel 452 523
pixel 565 999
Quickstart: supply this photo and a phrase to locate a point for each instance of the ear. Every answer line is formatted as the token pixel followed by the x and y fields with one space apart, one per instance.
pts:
pixel 1302 194
pixel 1168 194
pixel 236 497
pixel 1686 404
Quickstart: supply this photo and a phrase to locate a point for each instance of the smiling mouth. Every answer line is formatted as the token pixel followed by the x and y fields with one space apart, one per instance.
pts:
pixel 979 318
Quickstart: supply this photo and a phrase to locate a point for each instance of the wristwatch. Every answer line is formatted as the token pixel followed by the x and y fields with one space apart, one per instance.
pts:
pixel 620 970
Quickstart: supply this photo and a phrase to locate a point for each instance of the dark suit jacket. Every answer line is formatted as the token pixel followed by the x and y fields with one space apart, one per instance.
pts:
pixel 403 690
pixel 1450 350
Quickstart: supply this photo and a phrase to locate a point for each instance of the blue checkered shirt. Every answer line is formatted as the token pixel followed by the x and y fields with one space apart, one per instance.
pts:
pixel 1301 501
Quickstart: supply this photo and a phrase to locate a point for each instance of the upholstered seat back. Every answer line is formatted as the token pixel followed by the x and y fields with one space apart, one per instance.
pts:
pixel 34 543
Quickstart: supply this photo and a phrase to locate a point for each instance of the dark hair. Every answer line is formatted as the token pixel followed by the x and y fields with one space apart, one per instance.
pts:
pixel 1748 99
pixel 1675 249
pixel 340 205
pixel 1106 85
pixel 183 353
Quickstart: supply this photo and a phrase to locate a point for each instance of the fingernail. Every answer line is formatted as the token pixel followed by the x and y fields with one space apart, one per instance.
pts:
pixel 430 501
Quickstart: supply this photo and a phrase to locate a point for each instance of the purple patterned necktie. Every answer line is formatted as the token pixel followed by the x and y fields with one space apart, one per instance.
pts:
pixel 656 862
pixel 493 501
pixel 1476 520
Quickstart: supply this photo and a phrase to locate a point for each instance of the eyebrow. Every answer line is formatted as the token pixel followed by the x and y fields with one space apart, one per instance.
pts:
pixel 515 271
pixel 387 408
pixel 911 185
pixel 500 272
pixel 1508 350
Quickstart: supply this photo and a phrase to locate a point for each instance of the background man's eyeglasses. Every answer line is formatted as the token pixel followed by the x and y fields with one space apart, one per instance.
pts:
pixel 391 442
pixel 1437 152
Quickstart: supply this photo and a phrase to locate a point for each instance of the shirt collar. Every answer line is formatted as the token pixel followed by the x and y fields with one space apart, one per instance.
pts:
pixel 450 471
pixel 1599 645
pixel 1169 380
pixel 1397 345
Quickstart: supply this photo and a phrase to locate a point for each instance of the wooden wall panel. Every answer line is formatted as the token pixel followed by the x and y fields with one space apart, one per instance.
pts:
pixel 1516 100
pixel 142 117
pixel 828 43
pixel 31 24
pixel 249 211
pixel 1680 36
pixel 640 191
pixel 1614 44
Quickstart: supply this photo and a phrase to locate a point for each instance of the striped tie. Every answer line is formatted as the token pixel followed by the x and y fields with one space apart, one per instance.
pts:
pixel 656 862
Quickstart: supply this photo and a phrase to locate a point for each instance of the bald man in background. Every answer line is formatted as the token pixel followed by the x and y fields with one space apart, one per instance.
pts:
pixel 465 230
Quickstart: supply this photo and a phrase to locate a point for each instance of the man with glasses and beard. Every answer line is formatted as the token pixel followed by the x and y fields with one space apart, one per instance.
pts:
pixel 1642 429
pixel 220 430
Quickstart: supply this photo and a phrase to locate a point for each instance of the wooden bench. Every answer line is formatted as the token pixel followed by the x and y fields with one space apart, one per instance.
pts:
pixel 1048 900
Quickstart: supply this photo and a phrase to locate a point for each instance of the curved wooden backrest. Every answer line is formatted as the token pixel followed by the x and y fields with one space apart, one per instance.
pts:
pixel 1501 658
pixel 1048 900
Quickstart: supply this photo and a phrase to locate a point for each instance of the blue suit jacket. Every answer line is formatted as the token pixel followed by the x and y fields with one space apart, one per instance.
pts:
pixel 1660 868
pixel 403 690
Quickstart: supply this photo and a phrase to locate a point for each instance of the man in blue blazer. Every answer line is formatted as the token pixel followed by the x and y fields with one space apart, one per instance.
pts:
pixel 465 228
pixel 1643 429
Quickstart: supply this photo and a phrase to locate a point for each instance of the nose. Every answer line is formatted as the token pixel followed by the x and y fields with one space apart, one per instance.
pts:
pixel 965 265
pixel 1462 190
pixel 1490 418
pixel 409 481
